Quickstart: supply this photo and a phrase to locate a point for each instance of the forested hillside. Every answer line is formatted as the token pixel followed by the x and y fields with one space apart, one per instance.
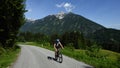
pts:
pixel 65 23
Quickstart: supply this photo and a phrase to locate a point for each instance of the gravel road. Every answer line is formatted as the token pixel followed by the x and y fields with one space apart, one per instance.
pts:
pixel 36 57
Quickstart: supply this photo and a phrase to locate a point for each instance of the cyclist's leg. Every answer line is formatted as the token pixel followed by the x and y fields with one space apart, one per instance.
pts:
pixel 56 54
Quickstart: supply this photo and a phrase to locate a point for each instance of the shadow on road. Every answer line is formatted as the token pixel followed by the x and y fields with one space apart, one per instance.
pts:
pixel 52 58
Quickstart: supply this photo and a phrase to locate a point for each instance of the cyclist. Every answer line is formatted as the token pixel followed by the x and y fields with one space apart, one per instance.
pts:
pixel 57 46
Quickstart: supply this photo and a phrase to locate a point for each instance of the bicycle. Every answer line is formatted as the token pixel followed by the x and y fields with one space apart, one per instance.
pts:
pixel 59 56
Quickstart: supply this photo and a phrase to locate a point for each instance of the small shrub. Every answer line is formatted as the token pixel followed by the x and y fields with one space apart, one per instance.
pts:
pixel 46 44
pixel 70 46
pixel 94 51
pixel 2 50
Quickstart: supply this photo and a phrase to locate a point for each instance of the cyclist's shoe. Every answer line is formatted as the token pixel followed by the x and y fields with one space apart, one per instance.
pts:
pixel 55 59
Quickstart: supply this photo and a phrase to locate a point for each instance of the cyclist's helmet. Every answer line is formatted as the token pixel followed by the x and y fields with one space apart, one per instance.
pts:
pixel 57 40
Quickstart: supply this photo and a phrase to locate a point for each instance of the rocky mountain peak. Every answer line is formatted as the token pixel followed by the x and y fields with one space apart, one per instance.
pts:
pixel 60 15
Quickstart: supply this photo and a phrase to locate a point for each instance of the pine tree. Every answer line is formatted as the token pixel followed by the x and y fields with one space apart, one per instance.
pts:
pixel 11 18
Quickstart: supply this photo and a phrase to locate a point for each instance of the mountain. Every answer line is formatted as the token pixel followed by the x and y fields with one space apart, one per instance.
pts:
pixel 60 23
pixel 69 22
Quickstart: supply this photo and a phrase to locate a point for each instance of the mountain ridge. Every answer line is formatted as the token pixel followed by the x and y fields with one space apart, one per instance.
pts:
pixel 70 22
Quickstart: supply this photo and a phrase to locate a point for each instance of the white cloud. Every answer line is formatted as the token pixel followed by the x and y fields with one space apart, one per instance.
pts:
pixel 60 5
pixel 68 6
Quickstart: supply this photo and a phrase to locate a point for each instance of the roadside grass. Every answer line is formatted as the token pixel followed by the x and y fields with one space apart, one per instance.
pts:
pixel 7 57
pixel 104 58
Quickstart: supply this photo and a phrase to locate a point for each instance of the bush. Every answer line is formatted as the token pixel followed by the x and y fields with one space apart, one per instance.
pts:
pixel 94 51
pixel 70 46
pixel 46 44
pixel 2 50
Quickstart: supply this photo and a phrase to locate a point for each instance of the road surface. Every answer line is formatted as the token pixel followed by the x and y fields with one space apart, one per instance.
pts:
pixel 36 57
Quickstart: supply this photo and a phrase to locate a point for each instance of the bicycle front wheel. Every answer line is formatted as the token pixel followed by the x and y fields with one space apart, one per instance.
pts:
pixel 60 58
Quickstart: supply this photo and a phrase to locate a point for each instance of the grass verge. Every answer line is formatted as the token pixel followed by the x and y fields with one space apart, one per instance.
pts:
pixel 7 57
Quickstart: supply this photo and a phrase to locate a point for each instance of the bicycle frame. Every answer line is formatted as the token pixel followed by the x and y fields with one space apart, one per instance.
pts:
pixel 59 57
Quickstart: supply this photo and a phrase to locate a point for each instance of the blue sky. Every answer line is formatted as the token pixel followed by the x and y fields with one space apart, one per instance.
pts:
pixel 104 12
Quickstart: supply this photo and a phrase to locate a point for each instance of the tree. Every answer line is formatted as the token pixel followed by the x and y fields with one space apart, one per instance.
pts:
pixel 11 18
pixel 75 38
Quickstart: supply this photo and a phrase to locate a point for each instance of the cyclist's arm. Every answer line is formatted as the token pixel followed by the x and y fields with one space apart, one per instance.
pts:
pixel 55 48
pixel 61 45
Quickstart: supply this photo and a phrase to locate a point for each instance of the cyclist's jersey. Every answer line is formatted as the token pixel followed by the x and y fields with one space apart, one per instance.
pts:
pixel 57 45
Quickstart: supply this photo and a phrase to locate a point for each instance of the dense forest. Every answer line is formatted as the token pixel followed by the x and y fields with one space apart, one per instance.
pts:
pixel 74 39
pixel 108 38
pixel 70 39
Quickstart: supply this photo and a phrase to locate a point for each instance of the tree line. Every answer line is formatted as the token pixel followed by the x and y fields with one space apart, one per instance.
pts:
pixel 74 39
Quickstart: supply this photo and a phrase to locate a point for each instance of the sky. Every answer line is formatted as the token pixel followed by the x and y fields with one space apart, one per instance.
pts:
pixel 103 12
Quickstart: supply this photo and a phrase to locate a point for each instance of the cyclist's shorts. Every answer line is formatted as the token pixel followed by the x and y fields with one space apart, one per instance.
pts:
pixel 57 47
